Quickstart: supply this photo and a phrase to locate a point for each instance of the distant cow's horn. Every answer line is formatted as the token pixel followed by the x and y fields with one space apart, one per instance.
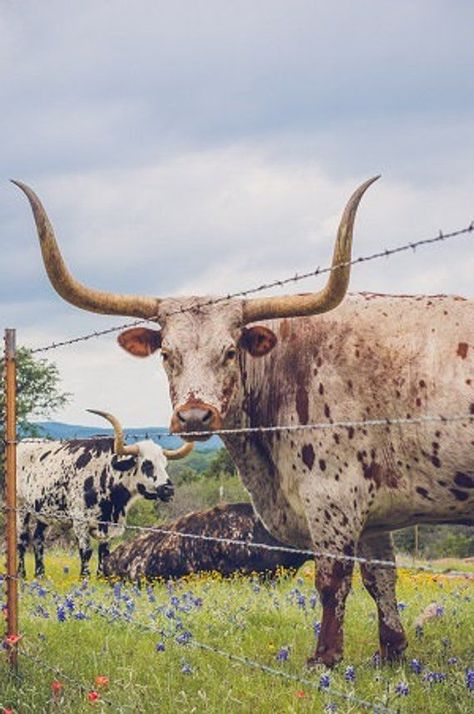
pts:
pixel 173 454
pixel 68 287
pixel 336 287
pixel 119 446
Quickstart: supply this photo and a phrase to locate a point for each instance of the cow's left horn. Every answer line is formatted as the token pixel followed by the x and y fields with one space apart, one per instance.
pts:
pixel 68 287
pixel 173 454
pixel 336 287
pixel 119 447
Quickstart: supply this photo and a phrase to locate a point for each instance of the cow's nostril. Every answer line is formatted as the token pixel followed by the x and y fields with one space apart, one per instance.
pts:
pixel 207 417
pixel 181 418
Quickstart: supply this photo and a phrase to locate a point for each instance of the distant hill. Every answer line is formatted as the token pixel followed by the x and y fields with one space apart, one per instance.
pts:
pixel 58 430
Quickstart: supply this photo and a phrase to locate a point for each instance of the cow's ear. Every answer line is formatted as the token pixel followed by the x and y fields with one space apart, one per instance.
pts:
pixel 140 341
pixel 257 340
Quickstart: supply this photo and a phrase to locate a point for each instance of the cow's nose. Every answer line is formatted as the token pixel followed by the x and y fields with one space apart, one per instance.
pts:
pixel 195 419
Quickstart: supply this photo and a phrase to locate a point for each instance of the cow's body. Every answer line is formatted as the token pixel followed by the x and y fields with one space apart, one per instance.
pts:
pixel 163 554
pixel 83 483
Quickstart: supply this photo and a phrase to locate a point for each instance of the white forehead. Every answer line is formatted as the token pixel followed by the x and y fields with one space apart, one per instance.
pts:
pixel 149 451
pixel 190 323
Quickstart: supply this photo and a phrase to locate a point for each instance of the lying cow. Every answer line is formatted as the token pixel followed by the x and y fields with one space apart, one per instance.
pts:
pixel 168 555
pixel 87 483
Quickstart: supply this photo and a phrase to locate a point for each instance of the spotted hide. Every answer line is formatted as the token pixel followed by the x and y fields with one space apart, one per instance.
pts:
pixel 165 555
pixel 83 482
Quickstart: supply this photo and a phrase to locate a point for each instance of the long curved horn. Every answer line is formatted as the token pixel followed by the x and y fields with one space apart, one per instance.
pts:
pixel 119 447
pixel 68 287
pixel 336 287
pixel 173 454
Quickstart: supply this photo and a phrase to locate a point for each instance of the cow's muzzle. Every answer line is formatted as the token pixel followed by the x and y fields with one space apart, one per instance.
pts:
pixel 195 417
pixel 165 492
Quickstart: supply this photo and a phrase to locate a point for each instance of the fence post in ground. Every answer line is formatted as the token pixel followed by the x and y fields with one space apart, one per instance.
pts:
pixel 10 492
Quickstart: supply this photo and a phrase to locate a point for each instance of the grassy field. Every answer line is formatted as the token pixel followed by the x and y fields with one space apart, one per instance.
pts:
pixel 151 645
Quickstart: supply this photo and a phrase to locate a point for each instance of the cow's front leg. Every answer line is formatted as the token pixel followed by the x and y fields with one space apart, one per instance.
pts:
pixel 103 554
pixel 23 541
pixel 38 547
pixel 380 581
pixel 81 531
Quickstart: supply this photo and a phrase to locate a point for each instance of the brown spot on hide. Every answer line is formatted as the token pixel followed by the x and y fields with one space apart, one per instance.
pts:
pixel 459 495
pixel 464 480
pixel 321 388
pixel 302 404
pixel 423 492
pixel 307 454
pixel 462 350
pixel 327 411
pixel 322 464
pixel 436 462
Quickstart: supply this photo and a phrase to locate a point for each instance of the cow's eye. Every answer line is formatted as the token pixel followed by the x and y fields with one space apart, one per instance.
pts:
pixel 165 355
pixel 230 354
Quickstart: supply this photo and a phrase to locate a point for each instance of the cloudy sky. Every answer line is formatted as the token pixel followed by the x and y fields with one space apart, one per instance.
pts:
pixel 208 146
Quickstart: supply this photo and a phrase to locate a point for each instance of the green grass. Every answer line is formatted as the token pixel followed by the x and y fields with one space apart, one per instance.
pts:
pixel 243 617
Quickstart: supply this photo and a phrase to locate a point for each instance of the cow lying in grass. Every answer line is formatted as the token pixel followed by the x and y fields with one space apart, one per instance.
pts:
pixel 168 555
pixel 87 483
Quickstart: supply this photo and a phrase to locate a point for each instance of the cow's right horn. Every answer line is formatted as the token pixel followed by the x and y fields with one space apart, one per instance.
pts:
pixel 119 447
pixel 68 287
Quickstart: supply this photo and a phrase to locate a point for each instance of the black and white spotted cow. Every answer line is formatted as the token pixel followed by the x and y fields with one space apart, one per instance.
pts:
pixel 89 484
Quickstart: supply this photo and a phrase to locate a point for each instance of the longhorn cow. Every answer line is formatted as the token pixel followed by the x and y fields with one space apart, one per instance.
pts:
pixel 89 484
pixel 343 489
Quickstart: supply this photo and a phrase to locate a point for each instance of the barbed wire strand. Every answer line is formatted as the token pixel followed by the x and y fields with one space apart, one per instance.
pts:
pixel 239 659
pixel 357 423
pixel 54 515
pixel 413 245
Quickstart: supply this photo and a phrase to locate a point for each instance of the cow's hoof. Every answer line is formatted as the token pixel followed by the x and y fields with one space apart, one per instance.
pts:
pixel 393 654
pixel 329 659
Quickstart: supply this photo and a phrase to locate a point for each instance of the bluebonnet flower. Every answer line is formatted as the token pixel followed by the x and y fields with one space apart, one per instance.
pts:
pixel 324 681
pixel 331 707
pixel 117 591
pixel 452 661
pixel 434 677
pixel 160 647
pixel 416 666
pixel 439 611
pixel 402 689
pixel 283 654
pixel 313 601
pixel 69 603
pixel 80 616
pixel 316 628
pixel 61 613
pixel 170 614
pixel 446 642
pixel 376 660
pixel 470 679
pixel 402 606
pixel 349 674
pixel 186 668
pixel 184 637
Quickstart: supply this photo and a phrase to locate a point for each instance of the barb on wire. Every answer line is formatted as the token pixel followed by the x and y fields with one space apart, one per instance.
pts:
pixel 357 423
pixel 243 543
pixel 266 286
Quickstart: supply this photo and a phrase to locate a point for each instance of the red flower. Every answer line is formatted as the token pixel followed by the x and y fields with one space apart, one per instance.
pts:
pixel 93 696
pixel 13 639
pixel 102 681
pixel 7 710
pixel 56 686
pixel 300 694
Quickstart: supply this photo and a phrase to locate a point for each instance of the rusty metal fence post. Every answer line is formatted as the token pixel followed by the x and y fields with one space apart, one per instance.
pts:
pixel 10 493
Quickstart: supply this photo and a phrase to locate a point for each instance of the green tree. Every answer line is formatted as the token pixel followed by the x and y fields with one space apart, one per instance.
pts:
pixel 220 464
pixel 38 394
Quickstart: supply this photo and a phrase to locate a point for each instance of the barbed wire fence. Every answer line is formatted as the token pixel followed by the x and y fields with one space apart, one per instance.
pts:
pixel 11 578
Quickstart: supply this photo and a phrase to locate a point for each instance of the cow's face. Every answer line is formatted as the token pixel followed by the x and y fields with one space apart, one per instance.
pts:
pixel 152 480
pixel 201 351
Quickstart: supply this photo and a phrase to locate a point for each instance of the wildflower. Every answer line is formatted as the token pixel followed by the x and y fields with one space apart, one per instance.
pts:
pixel 376 660
pixel 402 606
pixel 313 601
pixel 434 677
pixel 350 674
pixel 402 689
pixel 160 647
pixel 61 613
pixel 56 686
pixel 12 640
pixel 452 661
pixel 102 681
pixel 186 668
pixel 470 679
pixel 184 637
pixel 300 694
pixel 283 654
pixel 93 696
pixel 324 681
pixel 416 666
pixel 7 710
pixel 331 707
pixel 316 628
